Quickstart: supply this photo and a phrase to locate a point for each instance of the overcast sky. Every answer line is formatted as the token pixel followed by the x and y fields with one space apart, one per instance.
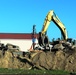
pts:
pixel 18 16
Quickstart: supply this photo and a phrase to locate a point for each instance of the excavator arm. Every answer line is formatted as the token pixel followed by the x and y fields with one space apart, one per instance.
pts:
pixel 51 16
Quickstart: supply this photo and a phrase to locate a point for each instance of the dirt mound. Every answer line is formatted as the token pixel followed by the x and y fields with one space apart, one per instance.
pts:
pixel 39 60
pixel 8 60
pixel 58 61
pixel 62 59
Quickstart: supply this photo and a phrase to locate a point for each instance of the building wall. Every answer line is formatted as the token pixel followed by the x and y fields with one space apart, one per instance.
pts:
pixel 24 44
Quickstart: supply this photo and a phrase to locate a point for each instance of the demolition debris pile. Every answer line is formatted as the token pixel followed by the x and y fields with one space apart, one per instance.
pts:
pixel 62 56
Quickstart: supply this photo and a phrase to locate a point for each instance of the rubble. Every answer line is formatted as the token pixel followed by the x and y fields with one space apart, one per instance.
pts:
pixel 62 56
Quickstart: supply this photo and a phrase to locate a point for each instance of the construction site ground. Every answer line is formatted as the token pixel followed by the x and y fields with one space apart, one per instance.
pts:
pixel 59 58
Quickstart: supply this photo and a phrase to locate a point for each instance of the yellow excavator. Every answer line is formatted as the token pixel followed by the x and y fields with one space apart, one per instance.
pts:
pixel 51 16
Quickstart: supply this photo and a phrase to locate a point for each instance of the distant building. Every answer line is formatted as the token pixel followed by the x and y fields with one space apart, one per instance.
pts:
pixel 23 40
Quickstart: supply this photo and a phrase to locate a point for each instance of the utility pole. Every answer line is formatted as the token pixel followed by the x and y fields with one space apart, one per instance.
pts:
pixel 33 35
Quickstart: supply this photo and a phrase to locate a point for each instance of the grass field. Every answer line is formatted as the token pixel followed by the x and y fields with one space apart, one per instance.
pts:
pixel 22 71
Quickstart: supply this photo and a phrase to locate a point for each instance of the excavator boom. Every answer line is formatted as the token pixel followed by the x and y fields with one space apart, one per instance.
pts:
pixel 51 16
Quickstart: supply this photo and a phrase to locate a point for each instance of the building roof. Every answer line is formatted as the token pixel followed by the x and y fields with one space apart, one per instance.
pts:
pixel 17 35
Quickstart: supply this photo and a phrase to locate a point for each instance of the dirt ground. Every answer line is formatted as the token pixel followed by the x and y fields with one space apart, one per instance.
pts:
pixel 58 60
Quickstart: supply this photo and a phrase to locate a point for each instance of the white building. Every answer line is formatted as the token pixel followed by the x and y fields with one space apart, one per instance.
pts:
pixel 23 40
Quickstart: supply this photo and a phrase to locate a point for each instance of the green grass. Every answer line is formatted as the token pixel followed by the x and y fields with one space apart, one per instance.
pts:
pixel 22 71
